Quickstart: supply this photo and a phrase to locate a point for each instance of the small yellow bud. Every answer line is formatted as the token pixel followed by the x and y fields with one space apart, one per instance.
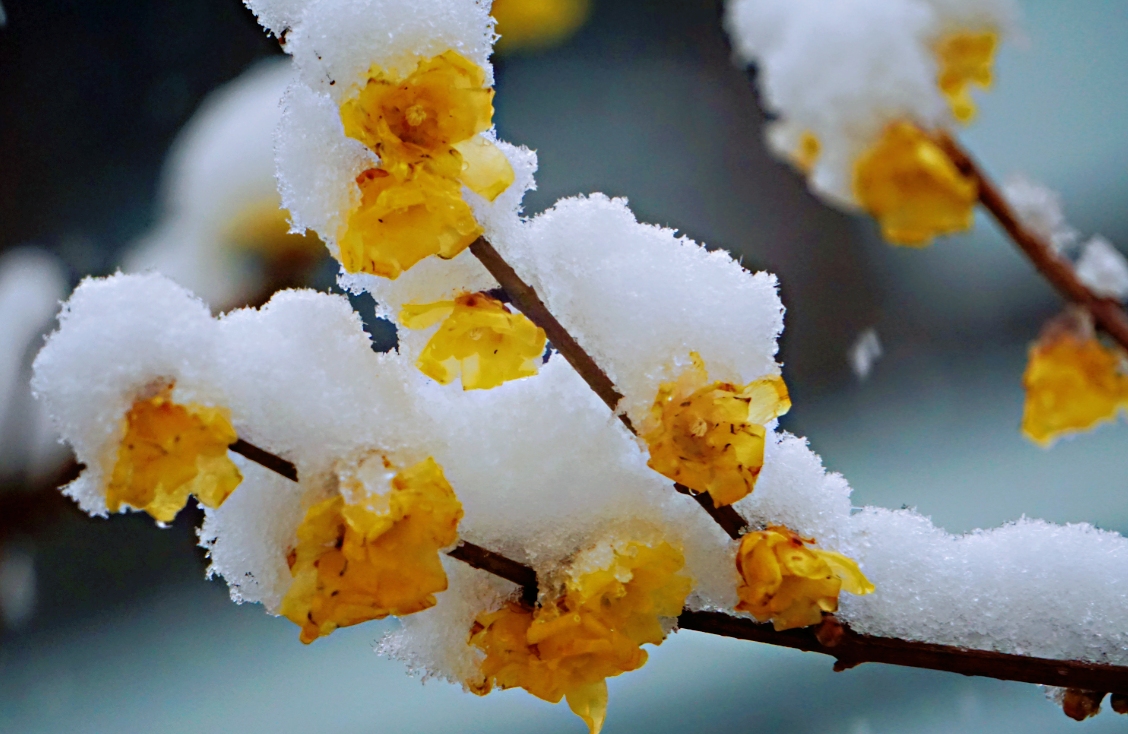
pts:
pixel 537 24
pixel 170 451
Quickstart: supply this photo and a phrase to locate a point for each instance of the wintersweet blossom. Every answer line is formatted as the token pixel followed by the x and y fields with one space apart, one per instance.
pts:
pixel 709 436
pixel 1073 380
pixel 169 451
pixel 790 583
pixel 854 85
pixel 372 549
pixel 614 601
pixel 913 189
pixel 424 127
pixel 966 58
pixel 480 337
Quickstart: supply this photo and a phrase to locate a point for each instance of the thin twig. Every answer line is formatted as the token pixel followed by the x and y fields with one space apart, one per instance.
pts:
pixel 529 303
pixel 264 458
pixel 1107 312
pixel 850 649
pixel 498 565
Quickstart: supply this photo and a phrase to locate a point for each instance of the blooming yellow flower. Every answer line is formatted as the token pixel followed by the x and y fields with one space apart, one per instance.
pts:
pixel 170 451
pixel 784 580
pixel 1073 382
pixel 568 648
pixel 537 24
pixel 709 436
pixel 478 337
pixel 425 129
pixel 913 189
pixel 965 58
pixel 363 555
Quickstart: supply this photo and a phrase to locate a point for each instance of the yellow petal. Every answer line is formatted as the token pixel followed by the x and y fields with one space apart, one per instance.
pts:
pixel 709 436
pixel 355 562
pixel 913 189
pixel 846 569
pixel 425 315
pixel 485 169
pixel 169 451
pixel 590 704
pixel 1073 383
pixel 481 338
pixel 965 58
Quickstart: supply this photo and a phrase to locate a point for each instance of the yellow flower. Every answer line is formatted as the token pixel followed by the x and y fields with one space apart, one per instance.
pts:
pixel 965 58
pixel 170 451
pixel 789 583
pixel 398 223
pixel 913 189
pixel 709 436
pixel 1073 382
pixel 480 337
pixel 373 556
pixel 537 24
pixel 568 648
pixel 264 228
pixel 425 128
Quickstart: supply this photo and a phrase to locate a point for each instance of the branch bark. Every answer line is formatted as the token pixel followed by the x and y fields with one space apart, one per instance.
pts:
pixel 1108 314
pixel 522 295
pixel 850 649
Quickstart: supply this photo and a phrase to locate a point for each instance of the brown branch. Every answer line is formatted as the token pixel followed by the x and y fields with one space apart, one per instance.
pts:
pixel 1107 312
pixel 850 649
pixel 266 459
pixel 498 565
pixel 522 295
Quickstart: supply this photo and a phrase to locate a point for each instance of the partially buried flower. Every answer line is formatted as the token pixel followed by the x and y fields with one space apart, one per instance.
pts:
pixel 913 189
pixel 372 549
pixel 478 337
pixel 426 130
pixel 709 436
pixel 169 451
pixel 1073 381
pixel 786 581
pixel 615 600
pixel 965 58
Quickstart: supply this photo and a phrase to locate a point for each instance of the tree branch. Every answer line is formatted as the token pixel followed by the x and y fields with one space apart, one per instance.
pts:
pixel 529 303
pixel 850 649
pixel 832 638
pixel 1107 312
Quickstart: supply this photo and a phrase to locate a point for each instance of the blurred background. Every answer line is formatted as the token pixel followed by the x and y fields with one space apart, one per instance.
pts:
pixel 109 626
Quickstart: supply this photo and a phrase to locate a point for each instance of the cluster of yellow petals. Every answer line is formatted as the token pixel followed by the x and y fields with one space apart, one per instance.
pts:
pixel 425 129
pixel 912 187
pixel 170 451
pixel 568 648
pixel 479 337
pixel 965 58
pixel 709 436
pixel 378 555
pixel 1073 382
pixel 790 583
pixel 537 24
